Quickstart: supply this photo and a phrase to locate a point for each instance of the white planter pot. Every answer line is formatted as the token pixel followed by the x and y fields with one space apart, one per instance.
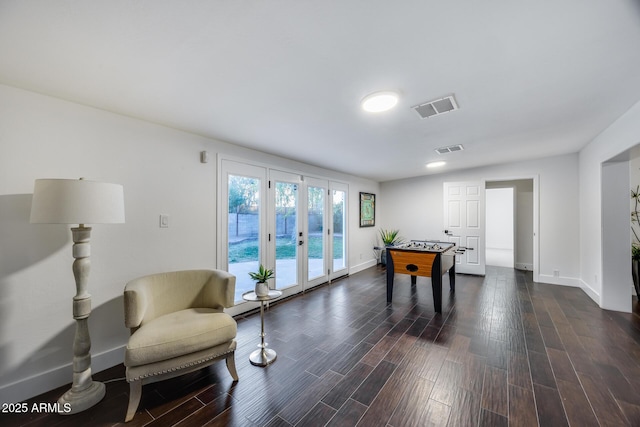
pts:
pixel 262 289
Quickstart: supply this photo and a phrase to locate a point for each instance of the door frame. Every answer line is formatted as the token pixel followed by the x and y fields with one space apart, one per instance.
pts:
pixel 536 216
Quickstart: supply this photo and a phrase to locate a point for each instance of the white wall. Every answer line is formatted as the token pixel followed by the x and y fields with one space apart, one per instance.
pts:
pixel 415 207
pixel 621 136
pixel 499 218
pixel 43 137
pixel 634 172
pixel 616 257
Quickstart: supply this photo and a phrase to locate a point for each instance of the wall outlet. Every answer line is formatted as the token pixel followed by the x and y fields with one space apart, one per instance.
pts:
pixel 556 273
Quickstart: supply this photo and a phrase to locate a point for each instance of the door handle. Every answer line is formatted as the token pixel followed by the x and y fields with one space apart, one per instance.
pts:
pixel 300 243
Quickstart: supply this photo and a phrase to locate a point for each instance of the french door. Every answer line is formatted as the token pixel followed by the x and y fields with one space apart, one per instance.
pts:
pixel 325 251
pixel 285 233
pixel 243 229
pixel 338 229
pixel 293 224
pixel 315 250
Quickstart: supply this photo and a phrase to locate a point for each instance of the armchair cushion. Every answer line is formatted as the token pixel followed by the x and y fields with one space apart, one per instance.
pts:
pixel 175 334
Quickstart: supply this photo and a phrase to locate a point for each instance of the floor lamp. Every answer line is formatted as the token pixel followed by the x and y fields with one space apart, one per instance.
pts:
pixel 70 201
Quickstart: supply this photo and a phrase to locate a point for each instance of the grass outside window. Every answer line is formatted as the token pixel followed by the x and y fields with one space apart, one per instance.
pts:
pixel 247 250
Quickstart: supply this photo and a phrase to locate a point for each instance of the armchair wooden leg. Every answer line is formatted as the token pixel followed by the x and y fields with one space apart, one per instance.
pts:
pixel 231 365
pixel 135 392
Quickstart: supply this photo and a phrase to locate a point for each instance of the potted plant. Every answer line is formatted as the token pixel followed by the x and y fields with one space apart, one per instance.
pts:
pixel 389 238
pixel 261 276
pixel 635 244
pixel 635 267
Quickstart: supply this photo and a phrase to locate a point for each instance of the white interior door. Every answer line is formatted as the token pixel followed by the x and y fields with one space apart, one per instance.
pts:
pixel 464 204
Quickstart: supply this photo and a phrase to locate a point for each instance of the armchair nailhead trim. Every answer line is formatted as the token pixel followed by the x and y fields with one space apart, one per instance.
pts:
pixel 198 362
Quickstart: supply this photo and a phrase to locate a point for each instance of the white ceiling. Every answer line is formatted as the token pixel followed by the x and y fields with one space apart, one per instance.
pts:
pixel 532 78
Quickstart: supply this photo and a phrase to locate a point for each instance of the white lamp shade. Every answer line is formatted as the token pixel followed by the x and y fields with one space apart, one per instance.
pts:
pixel 77 201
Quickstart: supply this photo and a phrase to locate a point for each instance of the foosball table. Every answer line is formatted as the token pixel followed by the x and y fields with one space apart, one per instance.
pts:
pixel 427 259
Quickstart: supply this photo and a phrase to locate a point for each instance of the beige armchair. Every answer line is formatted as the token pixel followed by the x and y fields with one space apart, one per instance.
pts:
pixel 178 325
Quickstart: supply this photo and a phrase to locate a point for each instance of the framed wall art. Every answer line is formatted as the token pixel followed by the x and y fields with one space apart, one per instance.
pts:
pixel 367 209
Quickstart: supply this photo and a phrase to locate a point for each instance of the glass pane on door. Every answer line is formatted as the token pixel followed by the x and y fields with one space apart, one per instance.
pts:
pixel 315 232
pixel 243 230
pixel 339 247
pixel 286 234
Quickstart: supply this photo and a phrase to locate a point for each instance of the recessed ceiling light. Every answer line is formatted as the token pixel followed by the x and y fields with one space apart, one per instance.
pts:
pixel 379 101
pixel 436 164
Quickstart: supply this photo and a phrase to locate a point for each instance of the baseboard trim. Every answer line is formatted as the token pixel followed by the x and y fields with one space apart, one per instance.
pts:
pixel 592 293
pixel 563 281
pixel 27 388
pixel 363 266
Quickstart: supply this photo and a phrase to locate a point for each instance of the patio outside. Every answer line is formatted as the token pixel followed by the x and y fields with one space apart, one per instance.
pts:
pixel 243 255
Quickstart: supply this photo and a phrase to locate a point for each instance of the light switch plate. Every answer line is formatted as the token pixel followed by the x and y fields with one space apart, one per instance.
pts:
pixel 164 221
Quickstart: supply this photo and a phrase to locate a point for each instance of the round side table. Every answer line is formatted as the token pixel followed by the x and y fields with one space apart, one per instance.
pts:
pixel 263 356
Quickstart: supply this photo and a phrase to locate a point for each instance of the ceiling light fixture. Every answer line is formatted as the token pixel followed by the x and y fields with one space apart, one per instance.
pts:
pixel 436 164
pixel 379 101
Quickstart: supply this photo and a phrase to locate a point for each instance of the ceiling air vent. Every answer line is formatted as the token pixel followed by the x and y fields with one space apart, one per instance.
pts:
pixel 436 107
pixel 449 149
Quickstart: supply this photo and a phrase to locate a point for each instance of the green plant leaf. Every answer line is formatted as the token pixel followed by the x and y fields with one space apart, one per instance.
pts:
pixel 390 237
pixel 262 275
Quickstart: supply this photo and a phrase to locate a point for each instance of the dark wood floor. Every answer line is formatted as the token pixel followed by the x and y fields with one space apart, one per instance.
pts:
pixel 505 351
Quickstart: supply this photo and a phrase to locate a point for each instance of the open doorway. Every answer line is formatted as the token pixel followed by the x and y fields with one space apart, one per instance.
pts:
pixel 514 218
pixel 499 227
